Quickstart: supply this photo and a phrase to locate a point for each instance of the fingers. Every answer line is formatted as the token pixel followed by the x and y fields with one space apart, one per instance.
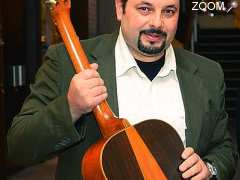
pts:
pixel 85 92
pixel 190 158
pixel 94 82
pixel 193 167
pixel 98 99
pixel 99 90
pixel 187 152
pixel 89 102
pixel 94 66
pixel 193 170
pixel 88 74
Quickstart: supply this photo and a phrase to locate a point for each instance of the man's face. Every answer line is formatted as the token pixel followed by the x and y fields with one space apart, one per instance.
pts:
pixel 148 26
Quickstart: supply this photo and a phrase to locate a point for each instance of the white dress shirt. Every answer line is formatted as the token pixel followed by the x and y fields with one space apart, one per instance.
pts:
pixel 140 99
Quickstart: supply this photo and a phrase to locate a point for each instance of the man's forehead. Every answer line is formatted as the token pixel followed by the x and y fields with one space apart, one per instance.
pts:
pixel 156 2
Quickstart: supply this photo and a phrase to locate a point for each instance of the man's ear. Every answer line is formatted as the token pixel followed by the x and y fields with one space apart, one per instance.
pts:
pixel 119 9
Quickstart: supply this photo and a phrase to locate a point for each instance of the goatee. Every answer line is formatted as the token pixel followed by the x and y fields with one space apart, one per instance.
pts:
pixel 151 50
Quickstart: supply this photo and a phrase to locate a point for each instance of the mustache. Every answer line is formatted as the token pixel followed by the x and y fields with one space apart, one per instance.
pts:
pixel 155 31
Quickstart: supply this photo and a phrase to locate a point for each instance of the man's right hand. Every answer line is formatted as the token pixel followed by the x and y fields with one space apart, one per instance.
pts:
pixel 85 92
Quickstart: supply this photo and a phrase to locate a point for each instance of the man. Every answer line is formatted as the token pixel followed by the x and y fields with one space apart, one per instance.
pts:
pixel 145 79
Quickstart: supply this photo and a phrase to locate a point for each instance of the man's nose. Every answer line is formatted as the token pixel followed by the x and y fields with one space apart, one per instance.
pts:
pixel 157 21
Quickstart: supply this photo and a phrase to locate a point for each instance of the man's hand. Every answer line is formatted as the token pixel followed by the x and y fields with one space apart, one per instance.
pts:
pixel 85 92
pixel 193 166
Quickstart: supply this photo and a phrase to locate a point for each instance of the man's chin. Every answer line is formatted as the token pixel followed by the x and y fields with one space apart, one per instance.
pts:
pixel 152 50
pixel 151 55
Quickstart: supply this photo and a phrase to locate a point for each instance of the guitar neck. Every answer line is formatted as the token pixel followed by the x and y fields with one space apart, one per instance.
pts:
pixel 61 16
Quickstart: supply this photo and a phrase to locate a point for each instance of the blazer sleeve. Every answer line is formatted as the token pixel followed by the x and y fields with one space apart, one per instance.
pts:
pixel 222 153
pixel 44 123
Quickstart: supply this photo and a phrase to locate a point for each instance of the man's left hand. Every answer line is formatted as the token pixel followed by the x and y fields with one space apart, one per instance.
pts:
pixel 193 167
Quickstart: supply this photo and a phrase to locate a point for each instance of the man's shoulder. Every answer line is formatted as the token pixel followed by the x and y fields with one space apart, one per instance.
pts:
pixel 203 64
pixel 88 44
pixel 91 43
pixel 196 58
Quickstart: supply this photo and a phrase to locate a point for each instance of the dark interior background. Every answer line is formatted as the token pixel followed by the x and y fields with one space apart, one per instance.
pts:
pixel 26 32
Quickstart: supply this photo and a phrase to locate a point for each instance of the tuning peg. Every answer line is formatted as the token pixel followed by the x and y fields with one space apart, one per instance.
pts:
pixel 51 2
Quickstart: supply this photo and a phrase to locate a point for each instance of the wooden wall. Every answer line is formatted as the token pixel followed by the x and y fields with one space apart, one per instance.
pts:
pixel 21 37
pixel 2 122
pixel 21 34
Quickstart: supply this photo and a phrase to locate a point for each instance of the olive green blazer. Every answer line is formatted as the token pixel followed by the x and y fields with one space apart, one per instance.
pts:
pixel 44 129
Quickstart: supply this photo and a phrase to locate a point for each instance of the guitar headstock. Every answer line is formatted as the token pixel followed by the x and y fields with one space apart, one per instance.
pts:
pixel 51 3
pixel 58 5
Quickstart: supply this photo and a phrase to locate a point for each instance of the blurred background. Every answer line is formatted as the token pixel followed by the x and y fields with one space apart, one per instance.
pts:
pixel 26 31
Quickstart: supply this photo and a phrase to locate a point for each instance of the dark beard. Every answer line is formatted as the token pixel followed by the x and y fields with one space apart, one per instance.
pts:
pixel 152 50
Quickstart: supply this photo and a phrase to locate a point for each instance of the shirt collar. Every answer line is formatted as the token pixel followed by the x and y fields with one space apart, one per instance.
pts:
pixel 125 60
pixel 170 63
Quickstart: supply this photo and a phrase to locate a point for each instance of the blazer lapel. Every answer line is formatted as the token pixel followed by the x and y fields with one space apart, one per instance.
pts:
pixel 194 98
pixel 104 54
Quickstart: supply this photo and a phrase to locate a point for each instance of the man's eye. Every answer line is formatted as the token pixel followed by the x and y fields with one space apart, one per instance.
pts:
pixel 144 10
pixel 169 12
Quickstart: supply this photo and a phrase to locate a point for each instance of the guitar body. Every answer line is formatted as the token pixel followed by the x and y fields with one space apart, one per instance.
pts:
pixel 114 158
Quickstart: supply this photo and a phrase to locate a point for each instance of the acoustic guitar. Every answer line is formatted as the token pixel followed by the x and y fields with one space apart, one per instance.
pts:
pixel 149 150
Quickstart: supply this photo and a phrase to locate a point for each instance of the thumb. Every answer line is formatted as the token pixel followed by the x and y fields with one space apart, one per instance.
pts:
pixel 94 66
